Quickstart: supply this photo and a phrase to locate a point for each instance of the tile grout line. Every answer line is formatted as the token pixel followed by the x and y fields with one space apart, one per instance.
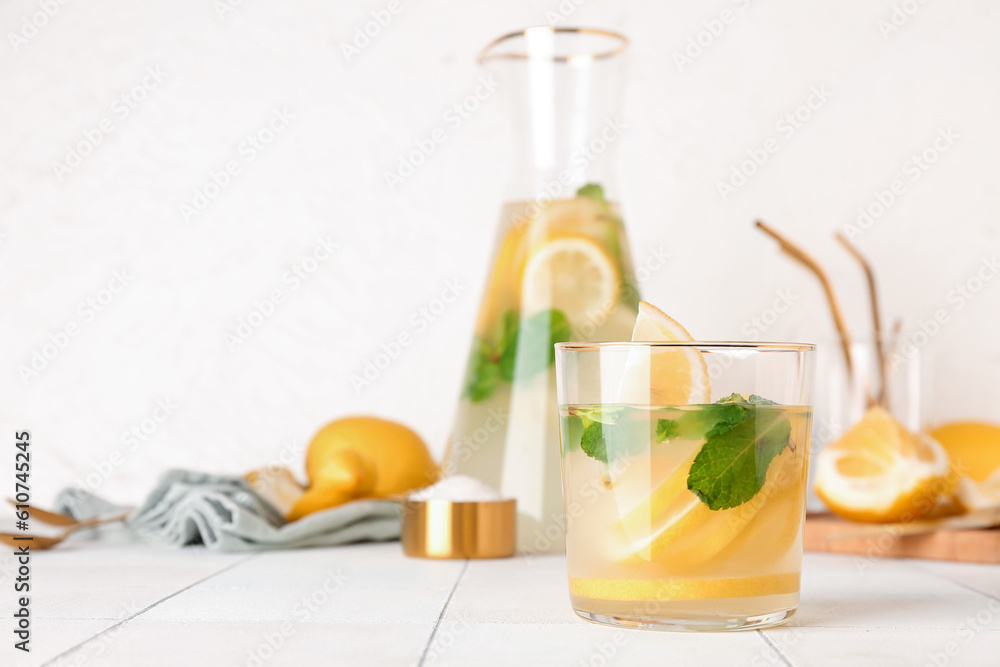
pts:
pixel 144 610
pixel 444 610
pixel 923 567
pixel 991 596
pixel 781 654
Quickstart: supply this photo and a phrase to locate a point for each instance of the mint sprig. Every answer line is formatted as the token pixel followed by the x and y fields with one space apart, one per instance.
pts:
pixel 731 467
pixel 523 349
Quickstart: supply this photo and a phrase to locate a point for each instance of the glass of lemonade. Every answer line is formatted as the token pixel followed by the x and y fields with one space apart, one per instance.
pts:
pixel 684 481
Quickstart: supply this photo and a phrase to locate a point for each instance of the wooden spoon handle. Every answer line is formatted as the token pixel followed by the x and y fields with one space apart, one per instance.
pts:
pixel 50 518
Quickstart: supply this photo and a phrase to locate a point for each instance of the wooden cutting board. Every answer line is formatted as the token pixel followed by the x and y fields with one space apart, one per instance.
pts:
pixel 980 545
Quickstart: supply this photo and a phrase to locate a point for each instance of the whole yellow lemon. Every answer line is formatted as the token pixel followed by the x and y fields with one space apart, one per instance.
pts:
pixel 974 450
pixel 363 457
pixel 973 447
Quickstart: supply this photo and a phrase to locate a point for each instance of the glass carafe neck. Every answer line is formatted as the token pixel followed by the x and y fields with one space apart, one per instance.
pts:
pixel 564 88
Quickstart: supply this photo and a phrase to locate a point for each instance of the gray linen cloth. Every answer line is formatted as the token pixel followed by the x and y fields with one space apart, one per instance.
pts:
pixel 226 514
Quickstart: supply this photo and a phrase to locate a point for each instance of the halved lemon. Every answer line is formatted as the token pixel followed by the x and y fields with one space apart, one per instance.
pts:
pixel 971 495
pixel 880 472
pixel 663 376
pixel 574 271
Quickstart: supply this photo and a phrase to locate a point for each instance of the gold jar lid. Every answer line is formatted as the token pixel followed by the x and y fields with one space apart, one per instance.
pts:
pixel 447 529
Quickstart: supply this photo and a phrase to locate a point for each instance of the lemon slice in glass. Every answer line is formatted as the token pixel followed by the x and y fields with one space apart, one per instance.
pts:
pixel 573 271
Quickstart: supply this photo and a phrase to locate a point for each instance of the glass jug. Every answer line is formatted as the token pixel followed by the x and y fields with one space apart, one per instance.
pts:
pixel 561 268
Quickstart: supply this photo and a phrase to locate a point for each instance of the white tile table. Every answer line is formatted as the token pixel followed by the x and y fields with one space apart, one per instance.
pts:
pixel 99 604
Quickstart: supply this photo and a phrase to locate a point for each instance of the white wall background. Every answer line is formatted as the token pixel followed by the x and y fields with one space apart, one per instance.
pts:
pixel 163 335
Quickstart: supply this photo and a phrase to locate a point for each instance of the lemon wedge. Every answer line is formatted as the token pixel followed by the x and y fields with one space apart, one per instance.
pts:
pixel 574 271
pixel 664 376
pixel 880 472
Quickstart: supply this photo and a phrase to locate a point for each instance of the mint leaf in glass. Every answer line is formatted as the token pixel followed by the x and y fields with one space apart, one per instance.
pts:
pixel 507 347
pixel 594 441
pixel 482 374
pixel 732 465
pixel 629 293
pixel 752 399
pixel 535 340
pixel 606 414
pixel 695 424
pixel 523 349
pixel 571 432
